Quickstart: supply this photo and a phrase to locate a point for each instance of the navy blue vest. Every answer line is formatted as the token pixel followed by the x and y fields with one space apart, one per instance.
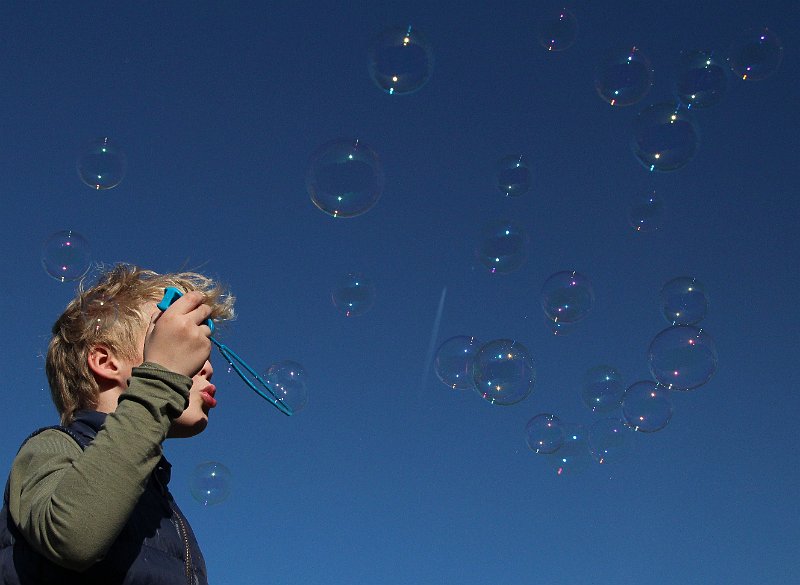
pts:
pixel 156 546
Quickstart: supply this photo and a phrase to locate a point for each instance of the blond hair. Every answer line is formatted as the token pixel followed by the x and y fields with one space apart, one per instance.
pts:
pixel 111 313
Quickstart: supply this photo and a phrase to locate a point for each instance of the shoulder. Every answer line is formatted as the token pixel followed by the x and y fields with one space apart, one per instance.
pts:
pixel 45 448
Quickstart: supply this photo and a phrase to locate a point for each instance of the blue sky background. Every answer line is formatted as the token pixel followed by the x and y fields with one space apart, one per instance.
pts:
pixel 384 478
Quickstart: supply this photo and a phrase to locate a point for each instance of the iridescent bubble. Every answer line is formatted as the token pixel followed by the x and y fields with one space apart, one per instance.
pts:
pixel 684 301
pixel 99 313
pixel 288 380
pixel 454 360
pixel 646 406
pixel 646 212
pixel 354 294
pixel 573 457
pixel 513 176
pixel 567 297
pixel 756 54
pixel 682 357
pixel 702 79
pixel 503 372
pixel 344 178
pixel 624 77
pixel 544 434
pixel 66 256
pixel 664 137
pixel 609 440
pixel 102 164
pixel 210 483
pixel 557 29
pixel 602 389
pixel 400 60
pixel 502 246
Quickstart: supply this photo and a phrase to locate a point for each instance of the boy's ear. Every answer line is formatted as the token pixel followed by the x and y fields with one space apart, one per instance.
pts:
pixel 104 363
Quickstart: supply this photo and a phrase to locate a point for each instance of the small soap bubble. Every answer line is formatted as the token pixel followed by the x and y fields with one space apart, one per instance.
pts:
pixel 354 294
pixel 702 79
pixel 344 178
pixel 665 137
pixel 66 256
pixel 454 360
pixel 558 328
pixel 502 246
pixel 513 176
pixel 623 77
pixel 684 301
pixel 609 440
pixel 573 457
pixel 602 389
pixel 646 212
pixel 99 313
pixel 567 297
pixel 756 54
pixel 503 372
pixel 544 433
pixel 210 483
pixel 288 381
pixel 682 357
pixel 400 60
pixel 646 406
pixel 102 164
pixel 557 29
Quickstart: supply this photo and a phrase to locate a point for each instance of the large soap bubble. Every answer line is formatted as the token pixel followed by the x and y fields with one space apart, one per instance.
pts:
pixel 664 137
pixel 344 178
pixel 623 77
pixel 609 440
pixel 503 372
pixel 756 54
pixel 288 380
pixel 567 297
pixel 684 301
pixel 502 246
pixel 400 60
pixel 354 294
pixel 682 357
pixel 210 483
pixel 544 434
pixel 557 29
pixel 513 176
pixel 66 256
pixel 602 388
pixel 454 360
pixel 573 457
pixel 102 164
pixel 646 212
pixel 702 79
pixel 646 406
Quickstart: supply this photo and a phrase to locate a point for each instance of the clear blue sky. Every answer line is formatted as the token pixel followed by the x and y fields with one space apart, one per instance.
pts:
pixel 382 478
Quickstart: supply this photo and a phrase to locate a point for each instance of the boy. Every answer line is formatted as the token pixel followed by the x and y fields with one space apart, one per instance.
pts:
pixel 87 502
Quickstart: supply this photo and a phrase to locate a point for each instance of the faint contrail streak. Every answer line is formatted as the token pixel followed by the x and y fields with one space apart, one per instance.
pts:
pixel 432 344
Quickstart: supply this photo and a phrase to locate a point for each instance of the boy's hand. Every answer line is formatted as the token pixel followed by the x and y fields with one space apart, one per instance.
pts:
pixel 178 338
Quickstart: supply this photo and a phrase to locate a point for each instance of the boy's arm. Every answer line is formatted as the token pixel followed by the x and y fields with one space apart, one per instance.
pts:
pixel 71 504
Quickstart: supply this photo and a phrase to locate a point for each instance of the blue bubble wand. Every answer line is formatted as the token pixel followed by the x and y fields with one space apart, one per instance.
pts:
pixel 171 294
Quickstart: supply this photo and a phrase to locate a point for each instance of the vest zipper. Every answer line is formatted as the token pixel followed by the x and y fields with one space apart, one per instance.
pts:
pixel 182 530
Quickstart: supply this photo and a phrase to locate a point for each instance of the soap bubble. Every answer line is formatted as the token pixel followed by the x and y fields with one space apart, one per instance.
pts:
pixel 66 256
pixel 344 178
pixel 682 357
pixel 702 79
pixel 557 30
pixel 99 313
pixel 513 176
pixel 602 389
pixel 623 77
pixel 567 297
pixel 646 212
pixel 287 379
pixel 454 360
pixel 573 457
pixel 210 483
pixel 400 60
pixel 609 440
pixel 102 164
pixel 354 294
pixel 503 372
pixel 559 328
pixel 544 434
pixel 502 246
pixel 684 301
pixel 646 406
pixel 664 137
pixel 756 54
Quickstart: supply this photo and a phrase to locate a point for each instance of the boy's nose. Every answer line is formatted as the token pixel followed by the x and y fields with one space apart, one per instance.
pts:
pixel 207 370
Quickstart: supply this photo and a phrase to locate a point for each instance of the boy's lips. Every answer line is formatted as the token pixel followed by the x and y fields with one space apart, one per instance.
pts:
pixel 207 394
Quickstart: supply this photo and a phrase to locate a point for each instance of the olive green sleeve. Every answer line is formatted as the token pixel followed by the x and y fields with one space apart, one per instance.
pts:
pixel 70 504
